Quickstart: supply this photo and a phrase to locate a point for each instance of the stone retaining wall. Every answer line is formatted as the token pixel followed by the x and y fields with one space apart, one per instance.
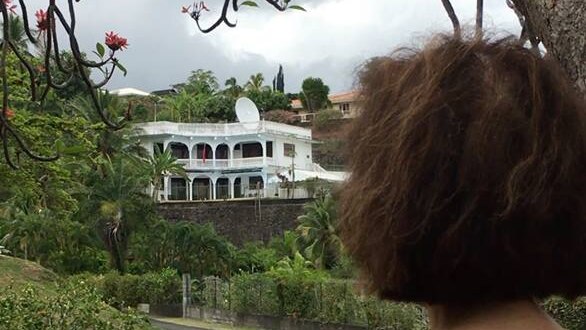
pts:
pixel 239 220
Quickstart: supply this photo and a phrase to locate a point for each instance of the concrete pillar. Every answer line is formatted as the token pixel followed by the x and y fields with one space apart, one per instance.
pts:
pixel 214 155
pixel 264 152
pixel 189 190
pixel 165 188
pixel 214 189
pixel 231 182
pixel 190 147
pixel 265 183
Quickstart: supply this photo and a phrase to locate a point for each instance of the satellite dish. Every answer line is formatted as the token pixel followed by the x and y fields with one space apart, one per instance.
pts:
pixel 246 111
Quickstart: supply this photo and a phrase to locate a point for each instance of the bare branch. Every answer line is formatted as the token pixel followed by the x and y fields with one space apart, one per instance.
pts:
pixel 27 29
pixel 452 15
pixel 479 18
pixel 526 32
pixel 5 148
pixel 198 8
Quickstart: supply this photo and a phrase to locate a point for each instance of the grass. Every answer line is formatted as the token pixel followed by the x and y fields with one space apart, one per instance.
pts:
pixel 19 272
pixel 16 273
pixel 201 324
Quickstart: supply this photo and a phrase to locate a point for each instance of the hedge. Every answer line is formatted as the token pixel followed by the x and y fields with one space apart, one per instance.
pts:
pixel 323 300
pixel 129 290
pixel 69 306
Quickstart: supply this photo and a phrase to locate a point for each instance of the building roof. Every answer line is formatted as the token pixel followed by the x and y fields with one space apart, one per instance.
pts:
pixel 344 97
pixel 164 92
pixel 129 92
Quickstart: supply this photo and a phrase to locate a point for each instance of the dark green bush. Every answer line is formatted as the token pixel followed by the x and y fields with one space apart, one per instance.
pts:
pixel 324 116
pixel 71 306
pixel 254 294
pixel 130 290
pixel 308 297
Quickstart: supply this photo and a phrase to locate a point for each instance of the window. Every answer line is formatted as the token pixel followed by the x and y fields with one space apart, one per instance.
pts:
pixel 345 108
pixel 250 150
pixel 179 150
pixel 178 189
pixel 255 182
pixel 289 150
pixel 269 149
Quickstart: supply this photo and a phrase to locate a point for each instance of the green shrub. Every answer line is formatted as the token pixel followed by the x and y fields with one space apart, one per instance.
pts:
pixel 570 314
pixel 309 296
pixel 71 306
pixel 130 290
pixel 254 294
pixel 324 116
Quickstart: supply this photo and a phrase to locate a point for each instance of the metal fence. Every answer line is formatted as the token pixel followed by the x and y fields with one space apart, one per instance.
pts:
pixel 331 301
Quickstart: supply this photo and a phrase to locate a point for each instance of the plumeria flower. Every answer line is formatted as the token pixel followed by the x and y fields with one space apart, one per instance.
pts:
pixel 184 9
pixel 115 42
pixel 8 113
pixel 10 6
pixel 42 20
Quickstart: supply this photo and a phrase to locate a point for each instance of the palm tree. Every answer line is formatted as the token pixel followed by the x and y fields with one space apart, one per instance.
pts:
pixel 17 33
pixel 161 164
pixel 318 233
pixel 255 83
pixel 117 200
pixel 233 89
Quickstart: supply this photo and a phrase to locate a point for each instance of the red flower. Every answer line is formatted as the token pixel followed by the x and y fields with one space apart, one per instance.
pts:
pixel 184 9
pixel 8 113
pixel 42 20
pixel 115 42
pixel 10 6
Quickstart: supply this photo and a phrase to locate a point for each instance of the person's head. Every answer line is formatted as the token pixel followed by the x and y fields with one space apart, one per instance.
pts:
pixel 468 176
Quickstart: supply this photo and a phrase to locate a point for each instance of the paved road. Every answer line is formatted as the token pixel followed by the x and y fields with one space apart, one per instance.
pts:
pixel 169 326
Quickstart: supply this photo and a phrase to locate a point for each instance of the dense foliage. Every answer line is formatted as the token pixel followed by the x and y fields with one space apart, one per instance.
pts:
pixel 71 306
pixel 121 291
pixel 314 94
pixel 307 295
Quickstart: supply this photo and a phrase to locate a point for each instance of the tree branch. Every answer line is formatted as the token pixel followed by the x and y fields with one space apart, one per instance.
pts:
pixel 199 8
pixel 452 15
pixel 479 18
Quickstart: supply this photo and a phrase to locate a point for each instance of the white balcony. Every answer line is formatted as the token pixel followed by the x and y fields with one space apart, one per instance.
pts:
pixel 222 130
pixel 220 164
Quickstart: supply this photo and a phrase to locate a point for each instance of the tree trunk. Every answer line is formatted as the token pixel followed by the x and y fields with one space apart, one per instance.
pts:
pixel 561 26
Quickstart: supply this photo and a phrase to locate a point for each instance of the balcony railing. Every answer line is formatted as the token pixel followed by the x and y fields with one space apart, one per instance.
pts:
pixel 229 129
pixel 225 163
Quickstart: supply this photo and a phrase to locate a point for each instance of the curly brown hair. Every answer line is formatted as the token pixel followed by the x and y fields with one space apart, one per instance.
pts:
pixel 468 176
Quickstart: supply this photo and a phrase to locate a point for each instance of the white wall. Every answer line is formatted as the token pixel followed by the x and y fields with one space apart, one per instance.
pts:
pixel 303 157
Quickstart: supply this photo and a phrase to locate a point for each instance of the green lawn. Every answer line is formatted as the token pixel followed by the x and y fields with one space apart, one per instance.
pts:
pixel 18 272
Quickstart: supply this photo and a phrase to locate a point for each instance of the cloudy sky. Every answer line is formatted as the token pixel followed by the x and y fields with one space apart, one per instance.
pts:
pixel 330 40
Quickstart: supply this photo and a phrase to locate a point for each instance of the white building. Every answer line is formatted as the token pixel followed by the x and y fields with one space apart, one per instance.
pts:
pixel 232 160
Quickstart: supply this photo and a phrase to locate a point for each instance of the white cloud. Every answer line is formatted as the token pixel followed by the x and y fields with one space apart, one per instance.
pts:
pixel 329 40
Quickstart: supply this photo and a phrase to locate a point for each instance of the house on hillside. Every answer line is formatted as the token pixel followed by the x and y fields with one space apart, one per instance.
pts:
pixel 233 160
pixel 347 103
